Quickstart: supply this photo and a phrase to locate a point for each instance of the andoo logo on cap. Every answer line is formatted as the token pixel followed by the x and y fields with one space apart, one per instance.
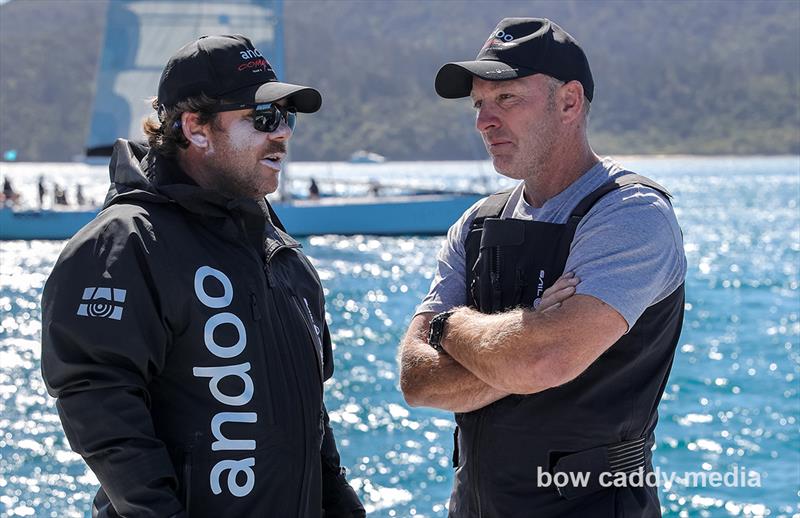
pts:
pixel 251 53
pixel 498 38
pixel 254 61
pixel 503 36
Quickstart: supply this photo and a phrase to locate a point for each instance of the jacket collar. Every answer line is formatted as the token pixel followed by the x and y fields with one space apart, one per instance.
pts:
pixel 140 173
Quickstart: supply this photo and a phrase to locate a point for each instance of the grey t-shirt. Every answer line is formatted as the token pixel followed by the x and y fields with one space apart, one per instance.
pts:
pixel 627 250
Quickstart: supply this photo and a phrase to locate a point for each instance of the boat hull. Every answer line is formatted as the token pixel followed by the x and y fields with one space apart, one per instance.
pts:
pixel 42 224
pixel 385 215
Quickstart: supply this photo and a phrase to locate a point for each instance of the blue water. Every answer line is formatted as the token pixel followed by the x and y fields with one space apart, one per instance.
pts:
pixel 731 405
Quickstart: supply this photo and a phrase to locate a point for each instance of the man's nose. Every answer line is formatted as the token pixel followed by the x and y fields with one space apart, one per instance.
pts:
pixel 486 119
pixel 282 133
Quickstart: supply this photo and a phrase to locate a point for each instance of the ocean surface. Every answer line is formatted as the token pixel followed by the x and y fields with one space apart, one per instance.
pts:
pixel 731 405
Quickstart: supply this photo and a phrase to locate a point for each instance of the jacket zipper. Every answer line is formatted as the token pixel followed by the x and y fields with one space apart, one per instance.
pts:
pixel 309 322
pixel 270 255
pixel 316 340
pixel 270 280
pixel 271 283
pixel 268 273
pixel 187 473
pixel 254 306
pixel 187 481
pixel 494 276
pixel 519 289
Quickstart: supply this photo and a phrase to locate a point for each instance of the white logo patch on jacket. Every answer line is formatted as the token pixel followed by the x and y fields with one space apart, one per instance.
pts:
pixel 102 303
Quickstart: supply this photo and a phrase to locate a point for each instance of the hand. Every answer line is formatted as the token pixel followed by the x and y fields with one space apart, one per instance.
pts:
pixel 560 291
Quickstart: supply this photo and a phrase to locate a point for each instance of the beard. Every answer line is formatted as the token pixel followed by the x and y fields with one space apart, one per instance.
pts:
pixel 236 168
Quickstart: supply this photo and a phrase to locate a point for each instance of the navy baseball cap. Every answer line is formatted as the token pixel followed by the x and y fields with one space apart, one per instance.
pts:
pixel 519 47
pixel 230 68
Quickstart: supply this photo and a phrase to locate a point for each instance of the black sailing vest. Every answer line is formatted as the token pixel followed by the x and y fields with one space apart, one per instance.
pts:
pixel 602 421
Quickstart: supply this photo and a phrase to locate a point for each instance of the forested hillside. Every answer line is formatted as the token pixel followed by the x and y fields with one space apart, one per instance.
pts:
pixel 717 77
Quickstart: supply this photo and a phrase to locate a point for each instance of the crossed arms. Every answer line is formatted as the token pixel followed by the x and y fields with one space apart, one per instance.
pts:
pixel 520 351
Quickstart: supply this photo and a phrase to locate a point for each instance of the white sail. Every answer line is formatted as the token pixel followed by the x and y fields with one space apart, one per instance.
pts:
pixel 140 37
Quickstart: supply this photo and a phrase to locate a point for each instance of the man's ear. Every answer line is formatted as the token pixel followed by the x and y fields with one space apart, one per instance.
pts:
pixel 194 132
pixel 572 100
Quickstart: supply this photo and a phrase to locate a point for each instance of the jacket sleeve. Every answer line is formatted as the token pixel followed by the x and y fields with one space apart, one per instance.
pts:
pixel 104 337
pixel 339 499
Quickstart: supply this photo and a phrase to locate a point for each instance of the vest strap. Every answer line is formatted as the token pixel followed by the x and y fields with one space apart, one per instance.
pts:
pixel 588 202
pixel 624 457
pixel 491 208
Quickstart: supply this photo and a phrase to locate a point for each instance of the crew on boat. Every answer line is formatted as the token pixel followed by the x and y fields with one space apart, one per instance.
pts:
pixel 10 196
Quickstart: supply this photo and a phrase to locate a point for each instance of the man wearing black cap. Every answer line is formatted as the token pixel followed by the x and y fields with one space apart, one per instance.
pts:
pixel 554 379
pixel 183 330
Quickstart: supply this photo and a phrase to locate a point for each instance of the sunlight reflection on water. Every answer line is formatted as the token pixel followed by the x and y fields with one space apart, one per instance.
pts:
pixel 731 402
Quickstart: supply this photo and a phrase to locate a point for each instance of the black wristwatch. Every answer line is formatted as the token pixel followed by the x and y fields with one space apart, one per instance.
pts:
pixel 436 330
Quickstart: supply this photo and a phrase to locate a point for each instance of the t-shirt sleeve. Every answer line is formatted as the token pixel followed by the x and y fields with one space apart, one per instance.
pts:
pixel 448 288
pixel 628 251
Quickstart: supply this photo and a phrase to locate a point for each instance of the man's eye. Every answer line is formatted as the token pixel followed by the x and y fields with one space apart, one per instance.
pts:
pixel 505 97
pixel 476 104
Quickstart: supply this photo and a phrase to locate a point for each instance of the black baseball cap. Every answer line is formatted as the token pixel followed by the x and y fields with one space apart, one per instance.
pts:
pixel 519 47
pixel 229 68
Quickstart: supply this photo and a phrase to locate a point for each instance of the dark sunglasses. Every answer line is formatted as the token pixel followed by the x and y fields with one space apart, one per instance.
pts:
pixel 266 116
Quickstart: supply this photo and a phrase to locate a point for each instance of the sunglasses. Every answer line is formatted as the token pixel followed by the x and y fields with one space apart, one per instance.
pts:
pixel 266 116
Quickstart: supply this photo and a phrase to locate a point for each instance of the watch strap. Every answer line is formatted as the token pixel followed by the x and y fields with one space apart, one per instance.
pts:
pixel 436 330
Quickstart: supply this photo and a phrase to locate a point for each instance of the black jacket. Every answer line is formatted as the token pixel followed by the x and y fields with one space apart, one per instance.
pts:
pixel 185 339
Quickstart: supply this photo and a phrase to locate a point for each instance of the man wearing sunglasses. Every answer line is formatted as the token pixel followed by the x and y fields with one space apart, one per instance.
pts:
pixel 184 331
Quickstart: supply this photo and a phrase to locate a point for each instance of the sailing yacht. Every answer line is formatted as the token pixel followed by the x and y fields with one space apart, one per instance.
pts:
pixel 140 35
